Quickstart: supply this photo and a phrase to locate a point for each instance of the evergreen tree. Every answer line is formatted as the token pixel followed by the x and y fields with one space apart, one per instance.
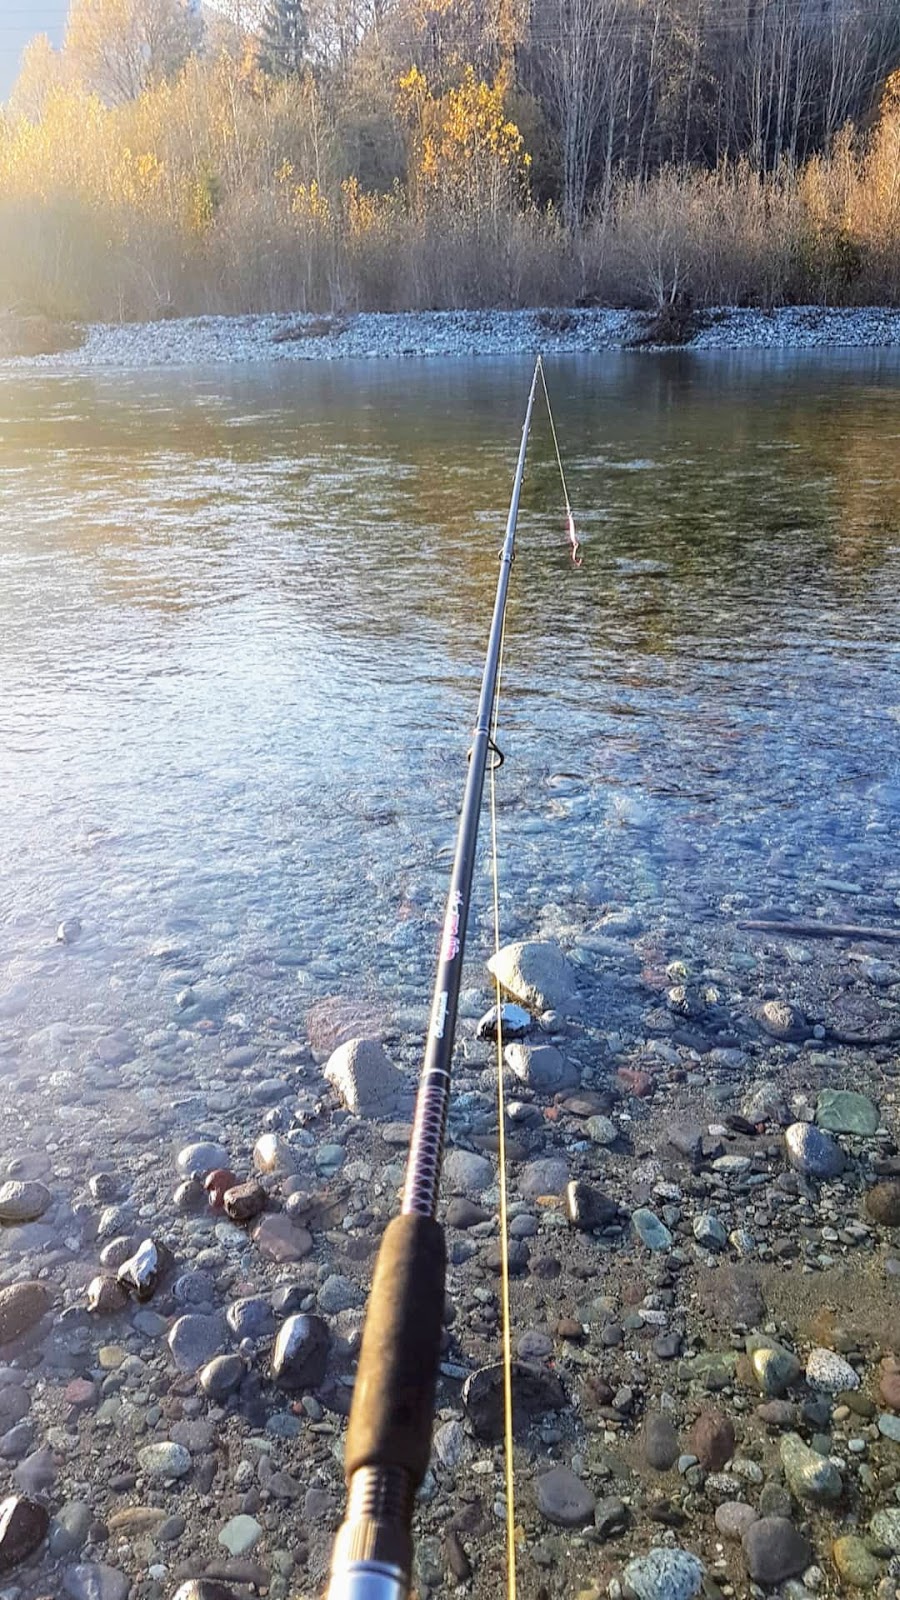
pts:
pixel 283 38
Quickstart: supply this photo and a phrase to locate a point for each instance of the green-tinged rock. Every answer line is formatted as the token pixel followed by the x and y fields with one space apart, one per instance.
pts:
pixel 240 1534
pixel 809 1475
pixel 845 1111
pixel 651 1232
pixel 855 1562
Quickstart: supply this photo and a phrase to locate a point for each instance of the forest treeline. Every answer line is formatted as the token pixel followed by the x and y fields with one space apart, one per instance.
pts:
pixel 386 154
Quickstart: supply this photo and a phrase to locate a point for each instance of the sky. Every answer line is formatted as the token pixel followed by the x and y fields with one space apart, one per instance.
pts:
pixel 20 20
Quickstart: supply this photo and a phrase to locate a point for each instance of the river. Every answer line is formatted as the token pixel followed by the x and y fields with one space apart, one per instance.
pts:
pixel 242 620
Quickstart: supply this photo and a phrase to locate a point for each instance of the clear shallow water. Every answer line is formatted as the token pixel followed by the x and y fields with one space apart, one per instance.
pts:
pixel 242 622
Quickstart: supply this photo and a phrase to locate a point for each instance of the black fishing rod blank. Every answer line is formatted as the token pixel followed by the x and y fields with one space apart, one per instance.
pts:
pixel 389 1435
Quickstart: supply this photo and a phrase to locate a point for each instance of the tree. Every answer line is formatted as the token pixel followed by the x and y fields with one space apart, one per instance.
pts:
pixel 119 47
pixel 42 70
pixel 283 39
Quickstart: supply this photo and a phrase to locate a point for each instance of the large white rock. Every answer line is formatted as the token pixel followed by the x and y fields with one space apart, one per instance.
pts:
pixel 537 974
pixel 365 1078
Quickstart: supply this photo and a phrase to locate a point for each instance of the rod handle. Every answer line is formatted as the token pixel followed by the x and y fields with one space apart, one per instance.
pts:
pixel 392 1413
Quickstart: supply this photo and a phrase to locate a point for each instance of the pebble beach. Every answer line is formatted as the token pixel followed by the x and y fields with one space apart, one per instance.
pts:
pixel 375 335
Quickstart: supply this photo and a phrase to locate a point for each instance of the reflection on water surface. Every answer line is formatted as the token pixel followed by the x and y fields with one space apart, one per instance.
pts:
pixel 242 620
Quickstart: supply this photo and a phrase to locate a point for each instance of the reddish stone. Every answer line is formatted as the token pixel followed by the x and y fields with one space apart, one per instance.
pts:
pixel 81 1392
pixel 711 1440
pixel 217 1185
pixel 639 1083
pixel 889 1382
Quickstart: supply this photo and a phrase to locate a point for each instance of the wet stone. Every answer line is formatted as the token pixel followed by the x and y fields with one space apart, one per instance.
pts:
pixel 194 1340
pixel 711 1440
pixel 93 1580
pixel 245 1201
pixel 650 1230
pixel 301 1350
pixel 21 1306
pixel 855 1562
pixel 515 1023
pixel 164 1460
pixel 38 1472
pixel 845 1111
pixel 467 1173
pixel 23 1202
pixel 739 1297
pixel 812 1152
pixel 774 1367
pixel 546 1176
pixel 809 1475
pixel 251 1318
pixel 775 1550
pixel 883 1204
pixel 588 1207
pixel 221 1376
pixel 278 1238
pixel 660 1443
pixel 563 1499
pixel 664 1575
pixel 542 1068
pixel 733 1518
pixel 783 1021
pixel 201 1158
pixel 69 1528
pixel 23 1528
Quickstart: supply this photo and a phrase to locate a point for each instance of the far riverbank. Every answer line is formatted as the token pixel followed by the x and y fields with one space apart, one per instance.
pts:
pixel 374 335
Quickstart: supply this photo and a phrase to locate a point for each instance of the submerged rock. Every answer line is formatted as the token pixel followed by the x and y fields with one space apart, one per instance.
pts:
pixel 23 1202
pixel 21 1306
pixel 23 1528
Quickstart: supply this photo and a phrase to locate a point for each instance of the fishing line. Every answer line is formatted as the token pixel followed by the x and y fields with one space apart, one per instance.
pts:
pixel 570 519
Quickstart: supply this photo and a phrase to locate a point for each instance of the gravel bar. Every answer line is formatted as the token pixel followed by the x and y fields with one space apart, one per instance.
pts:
pixel 370 335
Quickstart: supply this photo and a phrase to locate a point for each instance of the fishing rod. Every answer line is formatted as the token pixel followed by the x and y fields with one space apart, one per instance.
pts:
pixel 388 1442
